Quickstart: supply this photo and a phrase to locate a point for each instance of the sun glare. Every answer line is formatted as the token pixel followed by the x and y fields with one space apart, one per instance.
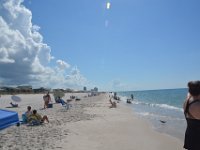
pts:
pixel 108 5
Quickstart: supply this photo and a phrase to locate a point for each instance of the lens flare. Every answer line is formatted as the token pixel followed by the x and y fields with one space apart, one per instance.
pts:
pixel 108 5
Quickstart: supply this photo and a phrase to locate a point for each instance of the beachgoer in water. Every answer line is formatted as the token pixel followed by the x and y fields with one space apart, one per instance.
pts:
pixel 192 115
pixel 132 96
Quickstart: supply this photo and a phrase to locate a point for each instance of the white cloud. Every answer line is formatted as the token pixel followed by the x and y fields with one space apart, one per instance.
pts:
pixel 62 64
pixel 24 57
pixel 75 79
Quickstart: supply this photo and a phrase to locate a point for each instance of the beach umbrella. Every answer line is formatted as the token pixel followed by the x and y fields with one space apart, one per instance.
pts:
pixel 58 93
pixel 16 98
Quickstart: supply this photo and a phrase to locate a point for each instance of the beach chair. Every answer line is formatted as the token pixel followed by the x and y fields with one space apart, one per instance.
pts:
pixel 65 104
pixel 77 99
pixel 24 119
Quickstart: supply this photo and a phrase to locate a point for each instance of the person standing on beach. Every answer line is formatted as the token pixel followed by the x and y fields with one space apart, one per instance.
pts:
pixel 47 99
pixel 132 96
pixel 113 104
pixel 192 115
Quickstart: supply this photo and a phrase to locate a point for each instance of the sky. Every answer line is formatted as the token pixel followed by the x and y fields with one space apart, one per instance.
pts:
pixel 115 45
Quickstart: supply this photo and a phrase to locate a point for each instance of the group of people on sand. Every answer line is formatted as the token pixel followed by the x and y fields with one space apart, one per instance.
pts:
pixel 47 100
pixel 33 117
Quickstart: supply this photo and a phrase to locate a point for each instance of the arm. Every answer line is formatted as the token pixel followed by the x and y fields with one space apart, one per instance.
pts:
pixel 187 99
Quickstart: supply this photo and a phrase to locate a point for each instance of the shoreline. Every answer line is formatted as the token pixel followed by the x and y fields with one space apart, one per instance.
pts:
pixel 174 128
pixel 89 125
pixel 160 106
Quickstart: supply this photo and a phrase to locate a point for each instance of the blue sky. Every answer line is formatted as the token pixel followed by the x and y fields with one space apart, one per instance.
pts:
pixel 134 45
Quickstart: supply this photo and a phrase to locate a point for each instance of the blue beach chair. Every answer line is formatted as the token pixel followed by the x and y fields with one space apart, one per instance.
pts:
pixel 24 119
pixel 65 104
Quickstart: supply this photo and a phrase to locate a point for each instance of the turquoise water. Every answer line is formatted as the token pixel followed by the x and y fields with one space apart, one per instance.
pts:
pixel 157 105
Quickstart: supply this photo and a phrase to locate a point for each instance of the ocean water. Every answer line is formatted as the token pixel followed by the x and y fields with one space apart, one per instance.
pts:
pixel 160 105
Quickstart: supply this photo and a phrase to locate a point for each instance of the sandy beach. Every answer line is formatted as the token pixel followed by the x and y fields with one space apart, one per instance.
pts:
pixel 88 125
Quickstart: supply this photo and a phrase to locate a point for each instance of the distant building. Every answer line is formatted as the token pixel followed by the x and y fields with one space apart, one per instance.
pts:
pixel 8 90
pixel 68 90
pixel 84 88
pixel 25 89
pixel 62 90
pixel 96 89
pixel 40 90
pixel 94 92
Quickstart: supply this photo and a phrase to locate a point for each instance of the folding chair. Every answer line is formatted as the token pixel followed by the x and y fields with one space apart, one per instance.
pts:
pixel 65 104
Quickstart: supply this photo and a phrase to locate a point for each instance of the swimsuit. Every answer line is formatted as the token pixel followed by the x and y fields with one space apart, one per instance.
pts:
pixel 192 134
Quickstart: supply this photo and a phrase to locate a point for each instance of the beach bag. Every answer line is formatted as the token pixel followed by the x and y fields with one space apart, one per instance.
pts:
pixel 50 106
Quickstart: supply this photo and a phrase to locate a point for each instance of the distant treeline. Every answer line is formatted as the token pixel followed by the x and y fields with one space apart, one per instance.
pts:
pixel 29 90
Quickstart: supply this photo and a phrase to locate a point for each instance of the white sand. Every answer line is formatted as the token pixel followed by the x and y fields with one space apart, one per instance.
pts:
pixel 89 125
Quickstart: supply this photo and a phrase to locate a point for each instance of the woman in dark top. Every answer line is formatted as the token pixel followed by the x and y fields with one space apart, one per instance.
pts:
pixel 192 115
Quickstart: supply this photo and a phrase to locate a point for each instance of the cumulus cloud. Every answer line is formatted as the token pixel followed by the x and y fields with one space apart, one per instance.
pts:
pixel 24 57
pixel 75 78
pixel 62 64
